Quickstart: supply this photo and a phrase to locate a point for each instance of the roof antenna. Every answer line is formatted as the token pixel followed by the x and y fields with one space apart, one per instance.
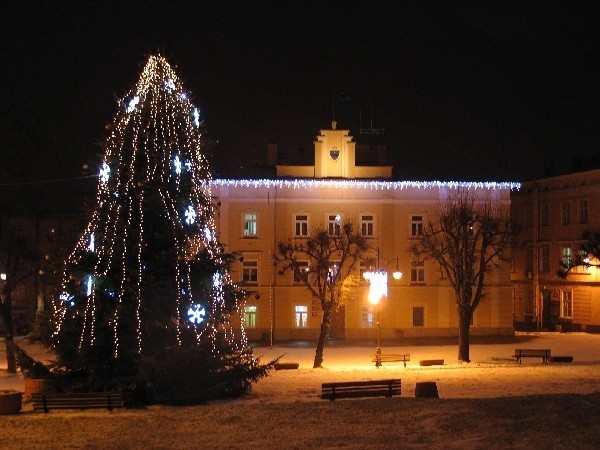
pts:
pixel 333 122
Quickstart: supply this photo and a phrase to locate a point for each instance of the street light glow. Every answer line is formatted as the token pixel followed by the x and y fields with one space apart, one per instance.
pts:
pixel 378 288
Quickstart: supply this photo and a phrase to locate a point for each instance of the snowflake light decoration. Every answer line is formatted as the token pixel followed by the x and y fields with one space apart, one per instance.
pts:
pixel 177 164
pixel 196 117
pixel 89 285
pixel 67 298
pixel 196 314
pixel 190 215
pixel 169 85
pixel 104 173
pixel 133 103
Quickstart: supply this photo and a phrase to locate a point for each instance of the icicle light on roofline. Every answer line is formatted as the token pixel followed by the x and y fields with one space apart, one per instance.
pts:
pixel 370 184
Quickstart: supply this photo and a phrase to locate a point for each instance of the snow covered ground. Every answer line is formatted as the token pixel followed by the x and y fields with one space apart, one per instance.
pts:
pixel 493 371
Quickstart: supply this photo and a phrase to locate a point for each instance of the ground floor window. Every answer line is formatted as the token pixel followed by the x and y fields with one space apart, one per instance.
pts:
pixel 418 316
pixel 367 317
pixel 250 316
pixel 301 316
pixel 566 304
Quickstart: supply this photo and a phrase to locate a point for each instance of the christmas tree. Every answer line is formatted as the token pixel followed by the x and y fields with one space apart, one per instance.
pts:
pixel 148 277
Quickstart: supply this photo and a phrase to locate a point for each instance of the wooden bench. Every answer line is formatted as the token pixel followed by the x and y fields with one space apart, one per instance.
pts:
pixel 95 400
pixel 543 353
pixel 356 389
pixel 390 357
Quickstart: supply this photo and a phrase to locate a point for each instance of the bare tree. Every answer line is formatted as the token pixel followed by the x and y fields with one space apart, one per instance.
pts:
pixel 468 236
pixel 330 275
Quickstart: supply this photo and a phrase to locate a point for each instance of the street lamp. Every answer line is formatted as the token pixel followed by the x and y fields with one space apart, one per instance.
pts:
pixel 377 291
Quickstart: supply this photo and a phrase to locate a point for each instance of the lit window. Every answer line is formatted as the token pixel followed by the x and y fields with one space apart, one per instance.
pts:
pixel 301 316
pixel 301 272
pixel 250 225
pixel 418 316
pixel 583 211
pixel 334 267
pixel 416 226
pixel 566 304
pixel 367 317
pixel 367 225
pixel 250 272
pixel 334 225
pixel 565 217
pixel 250 316
pixel 417 272
pixel 301 226
pixel 566 256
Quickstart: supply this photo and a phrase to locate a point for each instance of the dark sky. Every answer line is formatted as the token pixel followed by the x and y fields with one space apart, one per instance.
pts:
pixel 465 90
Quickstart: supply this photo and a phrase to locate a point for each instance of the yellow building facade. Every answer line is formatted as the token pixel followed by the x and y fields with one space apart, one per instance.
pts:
pixel 256 214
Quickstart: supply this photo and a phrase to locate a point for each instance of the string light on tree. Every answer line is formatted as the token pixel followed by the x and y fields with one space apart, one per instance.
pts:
pixel 140 253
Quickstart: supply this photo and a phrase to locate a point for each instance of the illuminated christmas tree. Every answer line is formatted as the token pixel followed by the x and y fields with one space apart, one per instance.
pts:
pixel 148 275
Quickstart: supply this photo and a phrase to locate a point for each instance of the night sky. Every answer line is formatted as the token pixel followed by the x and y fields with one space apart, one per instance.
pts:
pixel 465 90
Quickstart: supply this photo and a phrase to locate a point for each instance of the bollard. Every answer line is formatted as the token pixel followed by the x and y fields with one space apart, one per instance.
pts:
pixel 426 389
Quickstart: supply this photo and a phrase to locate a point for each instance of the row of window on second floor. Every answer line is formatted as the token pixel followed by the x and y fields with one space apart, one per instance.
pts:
pixel 301 225
pixel 548 264
pixel 250 269
pixel 566 213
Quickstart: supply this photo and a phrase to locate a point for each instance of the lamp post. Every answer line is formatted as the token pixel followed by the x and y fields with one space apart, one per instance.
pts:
pixel 377 291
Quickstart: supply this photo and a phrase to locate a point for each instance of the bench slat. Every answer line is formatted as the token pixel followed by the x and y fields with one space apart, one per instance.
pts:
pixel 543 353
pixel 99 400
pixel 359 394
pixel 361 383
pixel 356 389
pixel 391 357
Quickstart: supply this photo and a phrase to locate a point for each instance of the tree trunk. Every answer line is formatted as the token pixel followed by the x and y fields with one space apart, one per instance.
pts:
pixel 325 327
pixel 6 310
pixel 464 325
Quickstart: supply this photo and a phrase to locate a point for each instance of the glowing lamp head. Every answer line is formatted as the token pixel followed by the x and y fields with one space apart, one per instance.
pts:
pixel 397 275
pixel 378 288
pixel 3 276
